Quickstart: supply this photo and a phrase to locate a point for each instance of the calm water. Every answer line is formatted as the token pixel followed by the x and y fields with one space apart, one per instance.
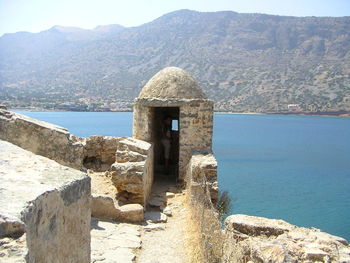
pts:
pixel 290 167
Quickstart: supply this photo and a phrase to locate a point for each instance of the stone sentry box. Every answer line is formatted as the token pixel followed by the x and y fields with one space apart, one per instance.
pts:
pixel 174 90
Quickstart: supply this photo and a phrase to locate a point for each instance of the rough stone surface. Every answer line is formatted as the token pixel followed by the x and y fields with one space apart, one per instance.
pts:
pixel 154 227
pixel 128 179
pixel 172 82
pixel 167 211
pixel 13 250
pixel 100 152
pixel 131 213
pixel 155 217
pixel 157 201
pixel 202 172
pixel 42 138
pixel 103 207
pixel 101 184
pixel 114 242
pixel 167 242
pixel 104 204
pixel 269 240
pixel 132 173
pixel 52 202
pixel 257 226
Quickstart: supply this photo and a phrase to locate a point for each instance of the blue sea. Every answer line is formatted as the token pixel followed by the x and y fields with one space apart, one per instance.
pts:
pixel 295 168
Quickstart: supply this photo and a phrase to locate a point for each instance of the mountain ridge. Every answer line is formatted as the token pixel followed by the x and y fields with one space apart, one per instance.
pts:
pixel 245 62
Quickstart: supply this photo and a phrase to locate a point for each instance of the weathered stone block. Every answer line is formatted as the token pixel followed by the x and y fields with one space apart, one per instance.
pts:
pixel 129 156
pixel 131 213
pixel 103 207
pixel 51 201
pixel 134 145
pixel 256 226
pixel 132 174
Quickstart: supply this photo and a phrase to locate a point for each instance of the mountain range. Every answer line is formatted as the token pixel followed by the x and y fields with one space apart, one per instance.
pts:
pixel 245 62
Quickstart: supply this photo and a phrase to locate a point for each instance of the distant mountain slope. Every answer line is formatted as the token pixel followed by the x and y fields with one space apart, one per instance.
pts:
pixel 245 62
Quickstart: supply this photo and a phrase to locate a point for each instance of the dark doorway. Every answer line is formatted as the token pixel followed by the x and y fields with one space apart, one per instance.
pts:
pixel 166 143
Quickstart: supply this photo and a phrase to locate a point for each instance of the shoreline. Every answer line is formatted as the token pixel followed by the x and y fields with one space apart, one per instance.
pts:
pixel 316 114
pixel 343 114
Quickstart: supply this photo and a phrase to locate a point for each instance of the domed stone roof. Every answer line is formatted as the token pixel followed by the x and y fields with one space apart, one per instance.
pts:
pixel 172 83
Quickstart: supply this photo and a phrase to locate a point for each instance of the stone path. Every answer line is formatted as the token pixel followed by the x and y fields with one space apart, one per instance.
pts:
pixel 114 242
pixel 163 237
pixel 160 239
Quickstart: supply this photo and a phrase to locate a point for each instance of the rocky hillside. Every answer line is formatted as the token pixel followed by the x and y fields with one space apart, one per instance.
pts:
pixel 245 62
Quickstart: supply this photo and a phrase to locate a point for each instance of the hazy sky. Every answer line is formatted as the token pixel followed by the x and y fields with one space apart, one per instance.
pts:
pixel 38 15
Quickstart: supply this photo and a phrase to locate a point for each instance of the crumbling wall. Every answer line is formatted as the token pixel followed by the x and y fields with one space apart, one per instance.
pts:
pixel 132 173
pixel 100 151
pixel 42 138
pixel 54 142
pixel 48 203
pixel 259 239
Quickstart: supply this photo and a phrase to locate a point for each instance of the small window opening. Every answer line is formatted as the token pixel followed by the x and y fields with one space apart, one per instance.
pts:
pixel 175 125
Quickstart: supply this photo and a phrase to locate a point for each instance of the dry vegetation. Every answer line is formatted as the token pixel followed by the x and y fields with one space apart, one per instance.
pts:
pixel 205 228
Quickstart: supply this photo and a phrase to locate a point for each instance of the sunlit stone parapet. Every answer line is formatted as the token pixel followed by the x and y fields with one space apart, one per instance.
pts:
pixel 42 138
pixel 44 207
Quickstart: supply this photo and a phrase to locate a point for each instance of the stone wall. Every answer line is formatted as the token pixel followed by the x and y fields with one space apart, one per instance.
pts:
pixel 202 170
pixel 196 130
pixel 202 190
pixel 143 122
pixel 47 201
pixel 42 138
pixel 132 173
pixel 99 152
pixel 56 143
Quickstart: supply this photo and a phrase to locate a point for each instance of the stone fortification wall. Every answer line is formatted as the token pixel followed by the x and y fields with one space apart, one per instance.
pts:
pixel 56 143
pixel 202 189
pixel 44 205
pixel 202 171
pixel 42 138
pixel 132 173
